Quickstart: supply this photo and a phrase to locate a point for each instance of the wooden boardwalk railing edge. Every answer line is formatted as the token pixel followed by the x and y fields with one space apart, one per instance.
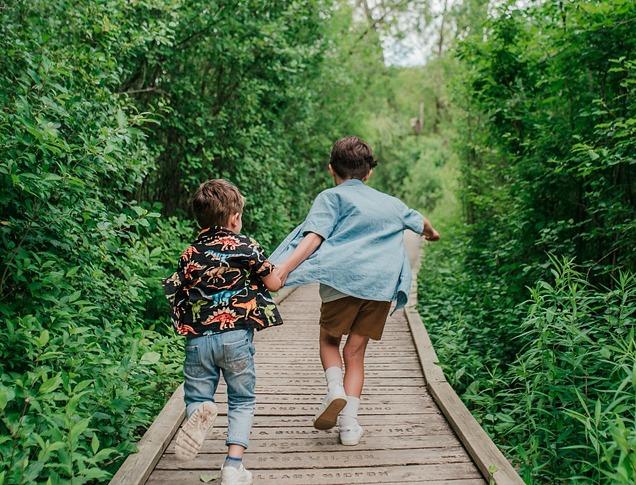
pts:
pixel 492 464
pixel 138 466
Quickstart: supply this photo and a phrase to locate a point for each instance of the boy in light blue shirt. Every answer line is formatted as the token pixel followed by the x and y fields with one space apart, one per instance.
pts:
pixel 352 243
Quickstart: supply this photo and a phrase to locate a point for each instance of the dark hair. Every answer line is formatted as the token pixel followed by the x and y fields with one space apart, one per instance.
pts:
pixel 215 201
pixel 352 157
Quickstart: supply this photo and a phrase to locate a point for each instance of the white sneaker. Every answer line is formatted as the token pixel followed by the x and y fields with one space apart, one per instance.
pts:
pixel 350 434
pixel 193 432
pixel 235 476
pixel 332 404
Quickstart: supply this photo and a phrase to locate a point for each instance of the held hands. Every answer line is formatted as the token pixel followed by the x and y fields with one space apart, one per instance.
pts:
pixel 281 273
pixel 275 280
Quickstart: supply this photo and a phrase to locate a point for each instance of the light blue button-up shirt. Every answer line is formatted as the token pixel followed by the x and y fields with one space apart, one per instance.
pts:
pixel 363 253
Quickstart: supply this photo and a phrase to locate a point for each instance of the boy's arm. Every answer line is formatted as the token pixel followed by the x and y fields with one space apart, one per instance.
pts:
pixel 260 266
pixel 416 222
pixel 305 248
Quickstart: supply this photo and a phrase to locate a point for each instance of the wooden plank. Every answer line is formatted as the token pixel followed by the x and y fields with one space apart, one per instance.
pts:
pixel 434 426
pixel 417 381
pixel 281 398
pixel 319 389
pixel 349 476
pixel 304 364
pixel 461 481
pixel 333 459
pixel 371 355
pixel 325 444
pixel 138 466
pixel 372 408
pixel 433 419
pixel 278 348
pixel 492 463
pixel 387 374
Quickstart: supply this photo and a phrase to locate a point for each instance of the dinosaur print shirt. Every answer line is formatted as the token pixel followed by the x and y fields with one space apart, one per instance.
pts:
pixel 218 287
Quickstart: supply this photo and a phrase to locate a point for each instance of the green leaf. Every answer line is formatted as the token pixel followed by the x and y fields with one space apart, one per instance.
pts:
pixel 43 339
pixel 207 477
pixel 7 394
pixel 77 429
pixel 150 358
pixel 58 445
pixel 50 385
pixel 95 443
pixel 155 252
pixel 104 454
pixel 94 474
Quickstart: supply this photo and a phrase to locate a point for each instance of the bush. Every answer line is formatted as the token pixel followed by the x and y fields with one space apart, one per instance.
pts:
pixel 102 106
pixel 564 408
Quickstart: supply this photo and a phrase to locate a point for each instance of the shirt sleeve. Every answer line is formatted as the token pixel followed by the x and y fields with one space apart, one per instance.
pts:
pixel 323 216
pixel 412 219
pixel 174 284
pixel 257 262
pixel 175 292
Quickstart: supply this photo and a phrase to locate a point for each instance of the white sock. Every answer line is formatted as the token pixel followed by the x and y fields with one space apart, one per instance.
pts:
pixel 334 377
pixel 349 414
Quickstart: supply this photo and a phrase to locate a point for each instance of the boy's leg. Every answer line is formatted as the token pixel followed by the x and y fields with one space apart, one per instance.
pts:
pixel 201 377
pixel 335 399
pixel 329 350
pixel 353 354
pixel 240 376
pixel 369 323
pixel 350 431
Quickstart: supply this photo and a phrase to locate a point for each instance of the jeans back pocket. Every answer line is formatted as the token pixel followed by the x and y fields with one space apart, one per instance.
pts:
pixel 237 355
pixel 193 366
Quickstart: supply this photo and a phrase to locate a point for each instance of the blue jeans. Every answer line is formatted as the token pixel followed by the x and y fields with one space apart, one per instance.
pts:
pixel 232 353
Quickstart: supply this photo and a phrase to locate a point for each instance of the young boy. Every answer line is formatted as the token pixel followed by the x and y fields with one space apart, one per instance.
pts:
pixel 219 295
pixel 352 243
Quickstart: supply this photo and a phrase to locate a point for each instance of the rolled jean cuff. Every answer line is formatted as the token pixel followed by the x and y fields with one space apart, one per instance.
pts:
pixel 229 442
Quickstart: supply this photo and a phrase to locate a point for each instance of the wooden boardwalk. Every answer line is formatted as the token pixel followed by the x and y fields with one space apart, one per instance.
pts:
pixel 415 431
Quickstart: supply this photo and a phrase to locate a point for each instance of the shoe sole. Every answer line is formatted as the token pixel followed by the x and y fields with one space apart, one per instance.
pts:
pixel 328 418
pixel 193 446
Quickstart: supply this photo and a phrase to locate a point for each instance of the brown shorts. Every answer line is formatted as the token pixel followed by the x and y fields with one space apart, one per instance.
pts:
pixel 354 315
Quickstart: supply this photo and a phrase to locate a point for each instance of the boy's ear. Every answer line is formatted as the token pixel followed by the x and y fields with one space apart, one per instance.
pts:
pixel 234 219
pixel 331 171
pixel 368 176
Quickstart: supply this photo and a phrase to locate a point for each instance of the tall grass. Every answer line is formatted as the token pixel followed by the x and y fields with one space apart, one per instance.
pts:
pixel 553 380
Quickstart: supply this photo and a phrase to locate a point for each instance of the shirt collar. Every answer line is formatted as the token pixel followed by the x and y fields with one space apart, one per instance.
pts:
pixel 213 231
pixel 352 182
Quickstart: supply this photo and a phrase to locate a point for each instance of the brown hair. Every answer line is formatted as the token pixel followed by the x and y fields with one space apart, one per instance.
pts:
pixel 215 201
pixel 352 157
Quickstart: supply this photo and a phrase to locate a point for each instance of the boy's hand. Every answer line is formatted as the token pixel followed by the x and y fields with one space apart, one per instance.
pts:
pixel 430 234
pixel 282 273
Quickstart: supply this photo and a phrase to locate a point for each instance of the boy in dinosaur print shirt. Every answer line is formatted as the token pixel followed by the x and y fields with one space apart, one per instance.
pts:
pixel 218 296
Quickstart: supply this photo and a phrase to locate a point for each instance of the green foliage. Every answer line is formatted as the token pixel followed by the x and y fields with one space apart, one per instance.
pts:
pixel 79 258
pixel 233 89
pixel 544 114
pixel 112 112
pixel 548 143
pixel 564 407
